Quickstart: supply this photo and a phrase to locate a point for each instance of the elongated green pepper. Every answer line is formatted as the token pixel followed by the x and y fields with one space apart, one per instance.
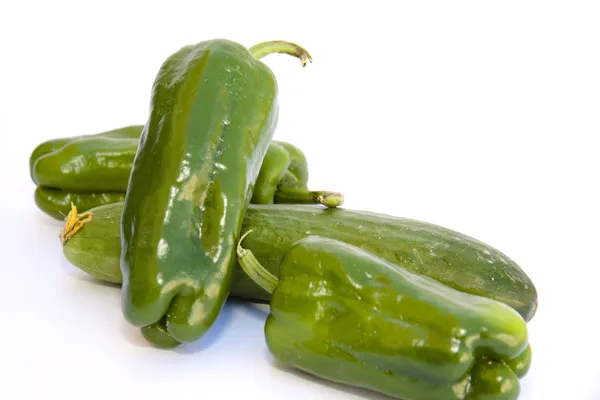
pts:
pixel 79 170
pixel 66 157
pixel 343 314
pixel 56 203
pixel 103 162
pixel 88 170
pixel 214 110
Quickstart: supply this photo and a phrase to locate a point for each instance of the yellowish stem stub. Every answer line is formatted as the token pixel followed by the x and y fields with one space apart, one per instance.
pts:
pixel 73 223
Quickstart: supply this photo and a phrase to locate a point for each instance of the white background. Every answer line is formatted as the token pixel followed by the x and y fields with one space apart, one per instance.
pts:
pixel 478 116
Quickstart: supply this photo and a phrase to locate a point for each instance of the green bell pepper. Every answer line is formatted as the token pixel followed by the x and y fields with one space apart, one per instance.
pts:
pixel 93 170
pixel 101 162
pixel 68 158
pixel 88 170
pixel 283 177
pixel 56 203
pixel 214 109
pixel 340 313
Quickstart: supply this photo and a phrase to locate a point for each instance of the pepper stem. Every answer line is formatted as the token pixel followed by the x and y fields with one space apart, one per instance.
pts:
pixel 286 195
pixel 254 269
pixel 263 49
pixel 73 223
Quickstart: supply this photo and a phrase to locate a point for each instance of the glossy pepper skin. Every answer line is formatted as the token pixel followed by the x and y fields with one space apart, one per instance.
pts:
pixel 59 164
pixel 450 257
pixel 296 175
pixel 90 163
pixel 283 179
pixel 87 163
pixel 57 203
pixel 275 164
pixel 345 315
pixel 214 110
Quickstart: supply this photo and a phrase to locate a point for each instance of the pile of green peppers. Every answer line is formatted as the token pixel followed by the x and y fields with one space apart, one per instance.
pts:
pixel 93 170
pixel 185 180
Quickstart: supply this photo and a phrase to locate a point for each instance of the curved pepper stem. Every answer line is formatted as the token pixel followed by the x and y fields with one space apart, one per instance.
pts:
pixel 286 195
pixel 263 49
pixel 254 269
pixel 73 223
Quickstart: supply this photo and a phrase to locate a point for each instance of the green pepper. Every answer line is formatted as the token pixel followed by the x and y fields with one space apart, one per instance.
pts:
pixel 68 158
pixel 87 170
pixel 214 109
pixel 93 170
pixel 100 161
pixel 283 177
pixel 297 173
pixel 57 203
pixel 340 313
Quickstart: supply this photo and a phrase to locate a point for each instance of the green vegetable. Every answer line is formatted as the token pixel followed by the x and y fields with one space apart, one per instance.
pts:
pixel 158 335
pixel 104 162
pixel 297 173
pixel 214 110
pixel 283 178
pixel 343 314
pixel 274 166
pixel 56 203
pixel 70 158
pixel 493 380
pixel 79 170
pixel 520 365
pixel 447 256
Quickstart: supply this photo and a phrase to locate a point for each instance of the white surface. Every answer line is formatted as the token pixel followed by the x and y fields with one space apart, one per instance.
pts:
pixel 477 117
